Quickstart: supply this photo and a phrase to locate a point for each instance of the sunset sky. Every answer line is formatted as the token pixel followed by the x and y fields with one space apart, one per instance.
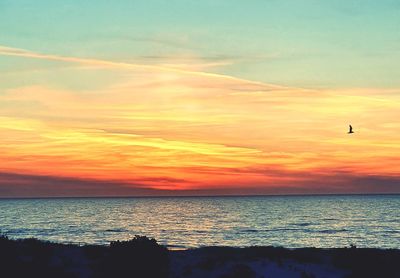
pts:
pixel 117 98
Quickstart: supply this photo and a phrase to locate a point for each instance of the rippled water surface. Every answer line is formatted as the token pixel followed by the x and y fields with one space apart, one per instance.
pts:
pixel 294 221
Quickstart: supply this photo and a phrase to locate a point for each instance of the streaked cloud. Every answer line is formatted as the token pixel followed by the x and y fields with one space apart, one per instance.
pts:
pixel 18 52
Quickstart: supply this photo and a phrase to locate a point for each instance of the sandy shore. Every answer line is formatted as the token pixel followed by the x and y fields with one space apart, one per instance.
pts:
pixel 143 257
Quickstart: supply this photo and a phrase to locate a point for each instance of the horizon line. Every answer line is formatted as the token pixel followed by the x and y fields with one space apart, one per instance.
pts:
pixel 203 196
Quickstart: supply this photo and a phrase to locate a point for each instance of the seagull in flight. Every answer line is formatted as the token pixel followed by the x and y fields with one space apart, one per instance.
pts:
pixel 350 129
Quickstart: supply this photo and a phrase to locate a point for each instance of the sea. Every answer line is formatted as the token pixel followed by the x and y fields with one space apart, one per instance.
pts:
pixel 329 221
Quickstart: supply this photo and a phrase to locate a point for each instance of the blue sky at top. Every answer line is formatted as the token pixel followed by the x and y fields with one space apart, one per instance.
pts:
pixel 305 43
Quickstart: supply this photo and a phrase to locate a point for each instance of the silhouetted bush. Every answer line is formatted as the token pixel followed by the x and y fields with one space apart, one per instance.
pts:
pixel 207 264
pixel 240 271
pixel 139 257
pixel 306 275
pixel 28 258
pixel 364 262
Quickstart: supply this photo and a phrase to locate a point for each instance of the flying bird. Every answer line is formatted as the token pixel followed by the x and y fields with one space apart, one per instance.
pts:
pixel 350 129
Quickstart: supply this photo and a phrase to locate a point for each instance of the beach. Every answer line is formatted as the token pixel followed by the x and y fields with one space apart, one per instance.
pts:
pixel 144 257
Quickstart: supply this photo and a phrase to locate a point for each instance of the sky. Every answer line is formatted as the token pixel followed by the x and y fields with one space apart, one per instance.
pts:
pixel 133 98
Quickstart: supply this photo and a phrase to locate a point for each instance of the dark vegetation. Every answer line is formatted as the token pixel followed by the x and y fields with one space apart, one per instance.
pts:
pixel 368 262
pixel 358 262
pixel 28 258
pixel 240 271
pixel 139 257
pixel 144 257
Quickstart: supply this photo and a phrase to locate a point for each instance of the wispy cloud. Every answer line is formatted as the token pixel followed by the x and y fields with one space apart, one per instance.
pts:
pixel 18 52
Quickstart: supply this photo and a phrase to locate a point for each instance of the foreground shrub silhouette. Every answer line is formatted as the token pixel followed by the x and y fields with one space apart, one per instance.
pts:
pixel 240 271
pixel 28 258
pixel 139 257
pixel 368 262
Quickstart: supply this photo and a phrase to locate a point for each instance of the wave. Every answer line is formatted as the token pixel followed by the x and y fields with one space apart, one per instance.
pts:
pixel 305 224
pixel 333 231
pixel 116 230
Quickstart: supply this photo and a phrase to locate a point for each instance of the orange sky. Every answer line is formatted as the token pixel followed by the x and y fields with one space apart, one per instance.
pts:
pixel 180 129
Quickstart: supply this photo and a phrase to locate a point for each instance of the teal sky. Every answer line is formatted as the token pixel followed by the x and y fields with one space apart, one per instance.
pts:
pixel 308 43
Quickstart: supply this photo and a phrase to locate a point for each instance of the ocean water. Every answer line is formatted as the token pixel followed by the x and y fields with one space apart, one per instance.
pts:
pixel 185 222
